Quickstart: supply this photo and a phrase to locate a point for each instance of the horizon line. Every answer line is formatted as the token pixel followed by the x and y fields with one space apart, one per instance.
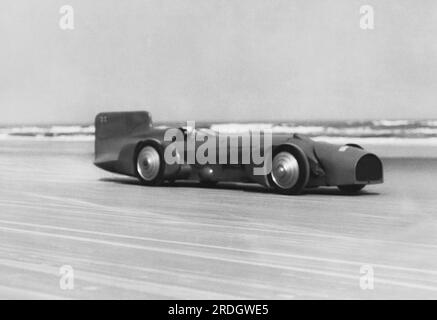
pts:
pixel 83 123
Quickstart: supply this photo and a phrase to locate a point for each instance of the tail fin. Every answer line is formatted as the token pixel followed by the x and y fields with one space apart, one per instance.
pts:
pixel 111 129
pixel 116 124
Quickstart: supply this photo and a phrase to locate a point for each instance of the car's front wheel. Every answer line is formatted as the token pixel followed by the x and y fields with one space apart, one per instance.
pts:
pixel 290 170
pixel 149 164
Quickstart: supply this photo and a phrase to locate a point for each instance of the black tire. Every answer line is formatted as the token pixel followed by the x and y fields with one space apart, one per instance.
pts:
pixel 158 178
pixel 304 170
pixel 351 188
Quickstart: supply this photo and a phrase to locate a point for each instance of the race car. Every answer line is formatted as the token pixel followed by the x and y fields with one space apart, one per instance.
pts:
pixel 127 143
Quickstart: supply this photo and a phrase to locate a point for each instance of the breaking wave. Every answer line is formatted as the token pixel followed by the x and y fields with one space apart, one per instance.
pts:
pixel 355 129
pixel 58 132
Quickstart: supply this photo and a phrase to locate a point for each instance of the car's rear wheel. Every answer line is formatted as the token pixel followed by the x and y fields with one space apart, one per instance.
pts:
pixel 290 170
pixel 149 164
pixel 351 188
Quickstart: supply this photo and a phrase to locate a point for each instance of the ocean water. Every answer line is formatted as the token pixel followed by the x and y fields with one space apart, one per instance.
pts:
pixel 377 131
pixel 48 132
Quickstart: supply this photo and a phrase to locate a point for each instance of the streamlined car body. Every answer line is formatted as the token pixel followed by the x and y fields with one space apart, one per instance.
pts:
pixel 127 143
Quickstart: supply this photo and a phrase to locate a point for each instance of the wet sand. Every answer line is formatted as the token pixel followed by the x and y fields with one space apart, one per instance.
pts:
pixel 124 240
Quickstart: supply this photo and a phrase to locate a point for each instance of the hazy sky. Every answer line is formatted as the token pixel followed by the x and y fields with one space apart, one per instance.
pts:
pixel 218 60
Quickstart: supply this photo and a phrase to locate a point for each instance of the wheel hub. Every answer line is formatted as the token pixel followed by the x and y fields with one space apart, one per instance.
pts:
pixel 148 163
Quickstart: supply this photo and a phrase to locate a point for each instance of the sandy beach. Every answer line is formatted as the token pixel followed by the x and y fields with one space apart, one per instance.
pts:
pixel 124 240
